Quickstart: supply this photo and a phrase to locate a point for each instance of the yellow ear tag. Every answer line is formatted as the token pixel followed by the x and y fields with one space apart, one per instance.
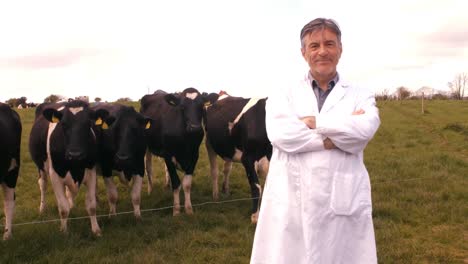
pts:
pixel 98 122
pixel 55 119
pixel 148 125
pixel 207 104
pixel 104 125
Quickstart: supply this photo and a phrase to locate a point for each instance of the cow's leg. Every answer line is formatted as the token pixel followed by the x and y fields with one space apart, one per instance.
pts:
pixel 9 209
pixel 62 202
pixel 42 181
pixel 149 169
pixel 97 191
pixel 90 182
pixel 123 179
pixel 175 183
pixel 227 173
pixel 70 197
pixel 136 195
pixel 187 185
pixel 71 190
pixel 167 178
pixel 213 169
pixel 176 208
pixel 255 188
pixel 112 195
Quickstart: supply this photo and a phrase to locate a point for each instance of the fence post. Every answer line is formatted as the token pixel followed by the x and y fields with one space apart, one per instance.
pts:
pixel 422 103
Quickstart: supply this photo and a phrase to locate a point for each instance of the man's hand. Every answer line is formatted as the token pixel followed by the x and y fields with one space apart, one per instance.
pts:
pixel 328 144
pixel 358 112
pixel 309 121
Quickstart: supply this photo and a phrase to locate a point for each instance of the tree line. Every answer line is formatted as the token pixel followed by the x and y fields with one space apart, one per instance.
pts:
pixel 458 91
pixel 21 102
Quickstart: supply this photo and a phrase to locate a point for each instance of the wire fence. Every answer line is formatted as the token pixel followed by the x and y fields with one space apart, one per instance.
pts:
pixel 193 205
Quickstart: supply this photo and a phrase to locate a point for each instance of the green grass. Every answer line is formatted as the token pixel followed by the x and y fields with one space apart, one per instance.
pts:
pixel 418 165
pixel 419 169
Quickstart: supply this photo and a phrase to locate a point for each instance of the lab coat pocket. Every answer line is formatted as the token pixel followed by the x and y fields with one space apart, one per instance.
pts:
pixel 277 182
pixel 344 191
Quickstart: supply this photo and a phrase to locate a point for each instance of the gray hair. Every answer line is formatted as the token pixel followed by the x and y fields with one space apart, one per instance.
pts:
pixel 320 24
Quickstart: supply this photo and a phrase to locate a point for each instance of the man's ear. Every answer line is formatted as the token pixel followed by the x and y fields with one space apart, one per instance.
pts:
pixel 52 115
pixel 303 52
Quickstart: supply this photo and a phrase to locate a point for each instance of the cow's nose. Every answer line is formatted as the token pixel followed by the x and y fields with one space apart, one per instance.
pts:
pixel 122 157
pixel 192 127
pixel 74 155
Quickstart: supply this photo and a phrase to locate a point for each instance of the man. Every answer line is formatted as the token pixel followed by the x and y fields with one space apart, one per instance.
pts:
pixel 316 207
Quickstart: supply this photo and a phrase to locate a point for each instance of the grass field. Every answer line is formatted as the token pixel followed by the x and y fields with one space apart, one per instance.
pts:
pixel 419 170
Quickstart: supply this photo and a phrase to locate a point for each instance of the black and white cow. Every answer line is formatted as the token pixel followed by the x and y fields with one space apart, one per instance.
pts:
pixel 63 146
pixel 121 146
pixel 235 130
pixel 175 135
pixel 10 142
pixel 38 145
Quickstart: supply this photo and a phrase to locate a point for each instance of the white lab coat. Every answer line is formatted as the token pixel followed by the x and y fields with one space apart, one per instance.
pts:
pixel 316 205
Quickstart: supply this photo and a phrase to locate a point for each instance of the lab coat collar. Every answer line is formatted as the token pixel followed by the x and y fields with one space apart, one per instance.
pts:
pixel 341 81
pixel 335 95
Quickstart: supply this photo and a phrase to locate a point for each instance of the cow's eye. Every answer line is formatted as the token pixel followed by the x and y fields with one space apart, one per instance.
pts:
pixel 64 125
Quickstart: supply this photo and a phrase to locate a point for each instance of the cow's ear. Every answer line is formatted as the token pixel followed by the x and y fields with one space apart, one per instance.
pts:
pixel 98 121
pixel 210 99
pixel 99 116
pixel 105 124
pixel 144 121
pixel 110 120
pixel 148 123
pixel 52 115
pixel 172 99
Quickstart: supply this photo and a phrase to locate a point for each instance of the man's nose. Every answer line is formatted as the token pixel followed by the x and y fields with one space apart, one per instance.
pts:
pixel 323 50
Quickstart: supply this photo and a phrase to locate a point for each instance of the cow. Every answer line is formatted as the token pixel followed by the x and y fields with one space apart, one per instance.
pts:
pixel 175 135
pixel 10 140
pixel 63 146
pixel 235 130
pixel 121 146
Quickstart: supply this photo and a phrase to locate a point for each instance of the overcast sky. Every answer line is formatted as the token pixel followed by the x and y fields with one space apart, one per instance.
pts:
pixel 114 49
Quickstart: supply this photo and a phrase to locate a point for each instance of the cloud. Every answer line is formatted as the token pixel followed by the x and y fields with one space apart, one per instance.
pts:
pixel 406 67
pixel 53 59
pixel 448 41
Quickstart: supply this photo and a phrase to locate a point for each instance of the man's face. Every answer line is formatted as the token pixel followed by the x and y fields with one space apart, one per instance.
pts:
pixel 322 51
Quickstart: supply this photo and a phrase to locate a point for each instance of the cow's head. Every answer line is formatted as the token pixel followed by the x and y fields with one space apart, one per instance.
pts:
pixel 210 98
pixel 126 129
pixel 102 129
pixel 191 103
pixel 74 119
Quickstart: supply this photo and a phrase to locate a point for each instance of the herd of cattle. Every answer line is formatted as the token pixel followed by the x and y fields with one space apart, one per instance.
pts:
pixel 68 140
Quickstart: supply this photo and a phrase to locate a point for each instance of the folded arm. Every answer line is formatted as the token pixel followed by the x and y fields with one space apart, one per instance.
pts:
pixel 352 132
pixel 287 132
